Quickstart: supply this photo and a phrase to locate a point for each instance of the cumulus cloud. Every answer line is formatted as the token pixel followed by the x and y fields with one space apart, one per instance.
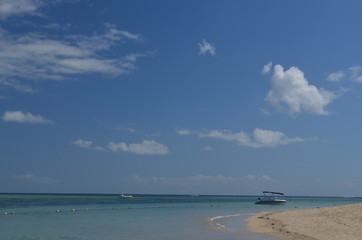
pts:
pixel 19 7
pixel 149 147
pixel 21 117
pixel 336 76
pixel 258 138
pixel 206 47
pixel 291 92
pixel 35 179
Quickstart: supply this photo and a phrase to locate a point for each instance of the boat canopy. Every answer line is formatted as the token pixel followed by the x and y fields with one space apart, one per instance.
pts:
pixel 278 193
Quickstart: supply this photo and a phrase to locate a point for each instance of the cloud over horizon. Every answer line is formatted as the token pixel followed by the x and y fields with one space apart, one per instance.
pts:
pixel 201 184
pixel 35 179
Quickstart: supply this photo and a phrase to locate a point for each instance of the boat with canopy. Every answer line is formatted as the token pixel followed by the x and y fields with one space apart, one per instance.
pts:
pixel 271 198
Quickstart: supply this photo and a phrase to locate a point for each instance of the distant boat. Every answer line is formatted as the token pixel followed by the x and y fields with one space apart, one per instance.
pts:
pixel 126 196
pixel 271 198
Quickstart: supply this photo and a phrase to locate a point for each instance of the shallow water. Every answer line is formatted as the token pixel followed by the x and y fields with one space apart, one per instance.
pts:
pixel 161 217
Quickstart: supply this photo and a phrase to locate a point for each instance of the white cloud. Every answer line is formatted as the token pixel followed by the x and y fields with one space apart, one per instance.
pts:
pixel 147 147
pixel 267 68
pixel 35 179
pixel 207 148
pixel 206 47
pixel 19 7
pixel 291 92
pixel 355 72
pixel 336 76
pixel 83 143
pixel 87 144
pixel 45 57
pixel 183 132
pixel 258 138
pixel 150 147
pixel 17 86
pixel 20 117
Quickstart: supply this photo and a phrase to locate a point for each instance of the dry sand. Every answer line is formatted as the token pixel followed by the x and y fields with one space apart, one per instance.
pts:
pixel 333 223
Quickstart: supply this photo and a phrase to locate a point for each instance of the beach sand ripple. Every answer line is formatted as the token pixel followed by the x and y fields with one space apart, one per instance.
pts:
pixel 333 223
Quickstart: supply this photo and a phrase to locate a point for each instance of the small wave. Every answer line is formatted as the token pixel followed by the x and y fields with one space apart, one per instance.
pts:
pixel 214 223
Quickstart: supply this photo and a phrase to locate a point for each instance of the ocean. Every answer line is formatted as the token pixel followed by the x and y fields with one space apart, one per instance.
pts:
pixel 143 217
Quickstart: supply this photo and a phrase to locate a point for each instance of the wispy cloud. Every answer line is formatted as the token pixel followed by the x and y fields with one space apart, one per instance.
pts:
pixel 149 147
pixel 44 57
pixel 87 144
pixel 19 7
pixel 356 73
pixel 184 132
pixel 206 47
pixel 35 179
pixel 258 138
pixel 207 148
pixel 353 74
pixel 291 92
pixel 267 68
pixel 21 117
pixel 336 76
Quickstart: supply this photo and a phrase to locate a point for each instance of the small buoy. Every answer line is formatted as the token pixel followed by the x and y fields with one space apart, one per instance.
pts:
pixel 57 210
pixel 72 210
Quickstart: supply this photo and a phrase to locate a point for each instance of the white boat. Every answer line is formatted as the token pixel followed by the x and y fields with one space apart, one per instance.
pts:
pixel 126 196
pixel 271 198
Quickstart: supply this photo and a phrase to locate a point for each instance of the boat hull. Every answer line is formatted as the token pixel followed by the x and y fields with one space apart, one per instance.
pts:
pixel 271 202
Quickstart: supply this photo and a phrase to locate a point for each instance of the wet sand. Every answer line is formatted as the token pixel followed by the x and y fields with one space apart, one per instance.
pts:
pixel 332 223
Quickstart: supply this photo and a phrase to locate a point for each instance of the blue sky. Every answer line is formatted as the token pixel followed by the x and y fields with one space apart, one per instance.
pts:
pixel 182 97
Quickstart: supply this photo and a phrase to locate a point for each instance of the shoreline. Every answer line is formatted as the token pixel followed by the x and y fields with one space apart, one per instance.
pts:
pixel 330 223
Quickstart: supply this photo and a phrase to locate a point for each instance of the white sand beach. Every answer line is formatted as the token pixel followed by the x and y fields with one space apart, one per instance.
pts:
pixel 332 223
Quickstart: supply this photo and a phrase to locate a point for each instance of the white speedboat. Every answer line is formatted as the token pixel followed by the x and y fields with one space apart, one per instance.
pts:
pixel 126 196
pixel 271 198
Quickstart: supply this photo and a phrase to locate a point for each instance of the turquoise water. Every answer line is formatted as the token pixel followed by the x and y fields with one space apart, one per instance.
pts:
pixel 144 217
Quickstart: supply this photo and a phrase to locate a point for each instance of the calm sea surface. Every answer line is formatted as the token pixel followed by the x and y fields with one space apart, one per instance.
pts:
pixel 143 217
